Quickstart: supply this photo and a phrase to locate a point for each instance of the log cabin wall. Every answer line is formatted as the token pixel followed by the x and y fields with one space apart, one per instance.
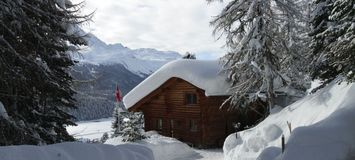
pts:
pixel 219 122
pixel 201 124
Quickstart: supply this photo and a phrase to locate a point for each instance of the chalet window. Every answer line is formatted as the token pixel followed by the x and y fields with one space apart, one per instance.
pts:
pixel 193 125
pixel 159 124
pixel 190 98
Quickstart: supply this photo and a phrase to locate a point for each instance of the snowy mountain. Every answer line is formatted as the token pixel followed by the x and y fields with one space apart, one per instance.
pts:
pixel 142 61
pixel 102 66
pixel 95 86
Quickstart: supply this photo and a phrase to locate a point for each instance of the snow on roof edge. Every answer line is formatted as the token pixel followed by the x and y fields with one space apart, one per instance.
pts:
pixel 205 75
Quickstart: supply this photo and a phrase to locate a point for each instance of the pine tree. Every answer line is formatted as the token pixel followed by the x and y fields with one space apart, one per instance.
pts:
pixel 118 115
pixel 37 38
pixel 132 128
pixel 261 37
pixel 320 67
pixel 333 40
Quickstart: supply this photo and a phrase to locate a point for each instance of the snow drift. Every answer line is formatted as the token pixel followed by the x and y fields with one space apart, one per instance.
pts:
pixel 164 148
pixel 322 129
pixel 76 151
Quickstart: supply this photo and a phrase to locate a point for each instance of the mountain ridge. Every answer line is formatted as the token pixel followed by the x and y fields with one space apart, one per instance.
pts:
pixel 103 66
pixel 141 61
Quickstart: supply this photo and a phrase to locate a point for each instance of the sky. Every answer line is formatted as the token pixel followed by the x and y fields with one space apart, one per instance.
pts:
pixel 175 25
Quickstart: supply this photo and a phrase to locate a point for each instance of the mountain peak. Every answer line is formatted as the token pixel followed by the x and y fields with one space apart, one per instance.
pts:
pixel 142 61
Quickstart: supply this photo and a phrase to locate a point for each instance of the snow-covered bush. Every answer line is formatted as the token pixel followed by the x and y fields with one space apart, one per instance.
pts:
pixel 104 137
pixel 189 55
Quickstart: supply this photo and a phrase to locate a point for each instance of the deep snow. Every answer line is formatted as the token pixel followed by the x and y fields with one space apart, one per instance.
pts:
pixel 166 148
pixel 322 128
pixel 163 148
pixel 76 151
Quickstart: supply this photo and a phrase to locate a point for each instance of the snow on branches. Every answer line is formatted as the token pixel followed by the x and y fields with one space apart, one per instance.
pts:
pixel 261 36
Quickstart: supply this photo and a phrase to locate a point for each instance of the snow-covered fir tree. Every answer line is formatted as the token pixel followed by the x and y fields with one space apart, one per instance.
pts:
pixel 118 115
pixel 132 127
pixel 333 40
pixel 319 21
pixel 263 38
pixel 35 87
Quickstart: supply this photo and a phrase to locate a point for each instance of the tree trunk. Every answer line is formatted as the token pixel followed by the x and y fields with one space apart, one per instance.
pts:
pixel 270 84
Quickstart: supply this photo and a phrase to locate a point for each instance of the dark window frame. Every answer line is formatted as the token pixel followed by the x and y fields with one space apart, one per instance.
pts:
pixel 191 98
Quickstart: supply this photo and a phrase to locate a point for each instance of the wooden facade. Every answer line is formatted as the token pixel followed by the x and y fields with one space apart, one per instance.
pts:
pixel 181 110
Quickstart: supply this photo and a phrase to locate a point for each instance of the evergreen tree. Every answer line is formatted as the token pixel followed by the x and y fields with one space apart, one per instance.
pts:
pixel 37 38
pixel 320 67
pixel 333 40
pixel 132 127
pixel 261 36
pixel 118 114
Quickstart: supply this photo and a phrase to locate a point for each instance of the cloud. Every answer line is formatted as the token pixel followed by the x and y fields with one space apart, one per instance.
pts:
pixel 178 25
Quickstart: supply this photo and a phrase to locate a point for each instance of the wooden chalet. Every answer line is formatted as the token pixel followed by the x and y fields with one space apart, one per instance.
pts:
pixel 182 100
pixel 181 110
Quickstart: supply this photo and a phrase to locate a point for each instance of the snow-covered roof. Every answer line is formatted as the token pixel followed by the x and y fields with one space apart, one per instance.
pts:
pixel 205 75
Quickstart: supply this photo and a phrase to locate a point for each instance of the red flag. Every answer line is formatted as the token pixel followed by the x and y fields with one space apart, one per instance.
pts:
pixel 118 94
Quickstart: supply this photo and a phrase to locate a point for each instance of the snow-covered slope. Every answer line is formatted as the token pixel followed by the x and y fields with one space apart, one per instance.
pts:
pixel 142 61
pixel 323 129
pixel 76 151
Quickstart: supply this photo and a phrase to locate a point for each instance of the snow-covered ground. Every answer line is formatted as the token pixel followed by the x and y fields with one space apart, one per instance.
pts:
pixel 76 151
pixel 93 129
pixel 210 154
pixel 322 129
pixel 164 148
